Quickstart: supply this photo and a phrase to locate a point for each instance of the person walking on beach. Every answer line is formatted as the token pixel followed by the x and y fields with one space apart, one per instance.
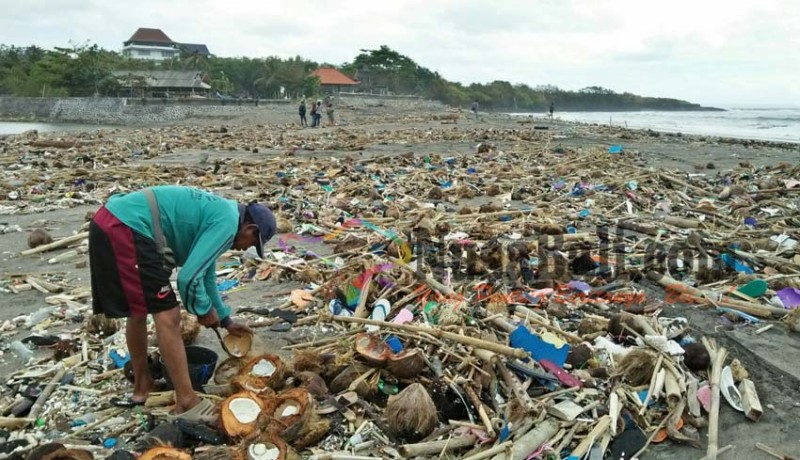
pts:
pixel 475 109
pixel 313 114
pixel 552 108
pixel 302 111
pixel 135 242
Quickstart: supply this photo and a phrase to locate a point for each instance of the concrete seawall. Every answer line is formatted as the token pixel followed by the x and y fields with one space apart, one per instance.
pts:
pixel 123 111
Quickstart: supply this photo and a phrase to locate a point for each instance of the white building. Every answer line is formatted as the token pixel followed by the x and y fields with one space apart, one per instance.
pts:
pixel 150 44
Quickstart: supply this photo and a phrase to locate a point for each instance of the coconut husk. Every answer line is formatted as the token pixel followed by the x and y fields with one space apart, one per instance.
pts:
pixel 165 453
pixel 190 328
pixel 411 414
pixel 227 371
pixel 406 364
pixel 234 427
pixel 345 378
pixel 100 324
pixel 39 237
pixel 696 357
pixel 307 360
pixel 792 320
pixel 314 384
pixel 637 367
pixel 310 275
pixel 248 381
pixel 315 429
pixel 592 325
pixel 291 410
pixel 43 451
pixel 219 453
pixel 372 350
pixel 283 226
pixel 239 345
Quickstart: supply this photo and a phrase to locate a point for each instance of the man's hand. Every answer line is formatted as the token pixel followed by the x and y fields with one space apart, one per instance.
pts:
pixel 210 319
pixel 239 329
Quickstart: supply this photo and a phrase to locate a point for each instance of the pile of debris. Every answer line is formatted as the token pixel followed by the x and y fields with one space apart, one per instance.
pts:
pixel 493 305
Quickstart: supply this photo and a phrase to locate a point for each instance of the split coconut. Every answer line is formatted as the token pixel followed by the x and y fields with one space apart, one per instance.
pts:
pixel 165 453
pixel 268 447
pixel 291 410
pixel 372 350
pixel 238 345
pixel 261 374
pixel 239 414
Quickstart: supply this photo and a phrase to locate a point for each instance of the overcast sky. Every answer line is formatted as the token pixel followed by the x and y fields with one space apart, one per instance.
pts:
pixel 727 52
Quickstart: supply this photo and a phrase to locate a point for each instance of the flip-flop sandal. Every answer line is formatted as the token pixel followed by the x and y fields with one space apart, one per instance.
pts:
pixel 126 402
pixel 203 412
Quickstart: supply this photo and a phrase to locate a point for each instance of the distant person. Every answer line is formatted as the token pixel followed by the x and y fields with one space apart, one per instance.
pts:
pixel 552 109
pixel 475 109
pixel 320 109
pixel 313 114
pixel 329 111
pixel 302 112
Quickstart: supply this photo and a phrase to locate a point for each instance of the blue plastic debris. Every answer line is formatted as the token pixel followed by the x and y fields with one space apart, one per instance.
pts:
pixel 537 347
pixel 227 285
pixel 615 149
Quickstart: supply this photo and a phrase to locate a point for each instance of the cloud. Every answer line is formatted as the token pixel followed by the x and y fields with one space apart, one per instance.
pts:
pixel 701 50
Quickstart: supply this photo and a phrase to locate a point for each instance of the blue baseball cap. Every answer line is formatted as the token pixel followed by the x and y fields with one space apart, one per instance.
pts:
pixel 263 218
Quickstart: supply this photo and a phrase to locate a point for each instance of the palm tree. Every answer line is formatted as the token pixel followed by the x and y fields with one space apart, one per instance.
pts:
pixel 270 81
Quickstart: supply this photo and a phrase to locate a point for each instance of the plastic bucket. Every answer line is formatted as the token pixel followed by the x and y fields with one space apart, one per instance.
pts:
pixel 201 362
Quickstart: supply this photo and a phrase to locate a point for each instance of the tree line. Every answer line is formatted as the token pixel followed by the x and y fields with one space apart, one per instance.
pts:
pixel 85 70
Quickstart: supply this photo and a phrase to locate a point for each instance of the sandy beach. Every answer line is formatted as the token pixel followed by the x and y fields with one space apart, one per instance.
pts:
pixel 52 180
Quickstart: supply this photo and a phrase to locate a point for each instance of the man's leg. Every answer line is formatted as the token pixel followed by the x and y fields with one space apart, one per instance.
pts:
pixel 136 336
pixel 173 353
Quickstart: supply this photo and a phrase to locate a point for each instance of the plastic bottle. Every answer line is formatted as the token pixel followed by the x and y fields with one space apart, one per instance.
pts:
pixel 24 353
pixel 38 316
pixel 86 419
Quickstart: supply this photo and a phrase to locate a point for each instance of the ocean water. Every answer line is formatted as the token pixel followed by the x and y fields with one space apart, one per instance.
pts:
pixel 773 124
pixel 13 127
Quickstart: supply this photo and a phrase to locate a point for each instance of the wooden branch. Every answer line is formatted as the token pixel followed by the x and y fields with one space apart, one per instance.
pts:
pixel 437 447
pixel 718 356
pixel 64 242
pixel 38 406
pixel 438 333
pixel 531 441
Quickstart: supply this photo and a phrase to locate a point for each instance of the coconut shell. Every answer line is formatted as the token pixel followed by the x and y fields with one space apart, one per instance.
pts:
pixel 293 424
pixel 284 226
pixel 239 345
pixel 313 432
pixel 406 364
pixel 230 425
pixel 372 350
pixel 246 381
pixel 165 453
pixel 411 414
pixel 67 454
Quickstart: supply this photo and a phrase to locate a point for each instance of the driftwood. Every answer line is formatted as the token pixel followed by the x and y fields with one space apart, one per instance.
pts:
pixel 531 441
pixel 38 406
pixel 438 333
pixel 64 242
pixel 717 361
pixel 750 401
pixel 437 447
pixel 691 294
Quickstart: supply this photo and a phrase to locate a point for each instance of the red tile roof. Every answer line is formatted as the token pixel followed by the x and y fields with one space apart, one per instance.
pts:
pixel 330 76
pixel 144 34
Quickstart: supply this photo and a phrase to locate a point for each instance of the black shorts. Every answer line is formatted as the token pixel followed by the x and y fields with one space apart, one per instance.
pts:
pixel 129 277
